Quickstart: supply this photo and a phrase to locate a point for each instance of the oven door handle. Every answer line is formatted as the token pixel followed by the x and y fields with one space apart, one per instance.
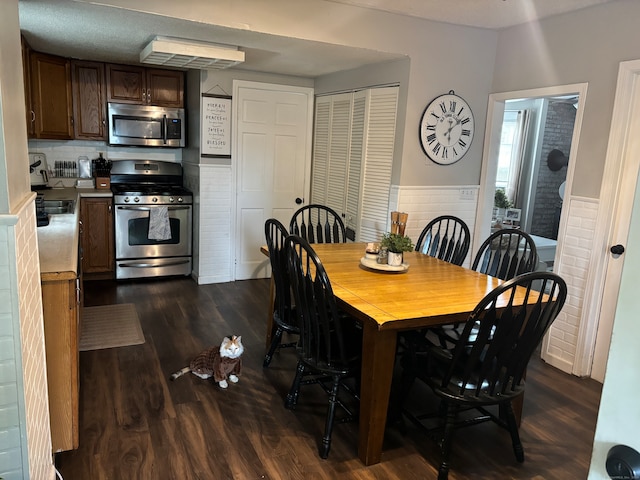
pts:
pixel 152 265
pixel 147 209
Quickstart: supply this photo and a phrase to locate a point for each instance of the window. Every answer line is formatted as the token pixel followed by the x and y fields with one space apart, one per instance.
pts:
pixel 512 141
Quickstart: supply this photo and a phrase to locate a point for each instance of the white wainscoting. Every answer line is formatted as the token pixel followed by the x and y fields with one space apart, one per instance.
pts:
pixel 560 345
pixel 25 436
pixel 423 204
pixel 211 186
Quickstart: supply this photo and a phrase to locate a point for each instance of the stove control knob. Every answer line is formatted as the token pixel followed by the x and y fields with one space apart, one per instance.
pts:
pixel 179 199
pixel 154 199
pixel 136 199
pixel 126 200
pixel 171 199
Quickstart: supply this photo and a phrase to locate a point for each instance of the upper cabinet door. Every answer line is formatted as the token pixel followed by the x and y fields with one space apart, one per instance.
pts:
pixel 89 110
pixel 145 86
pixel 51 96
pixel 165 88
pixel 126 84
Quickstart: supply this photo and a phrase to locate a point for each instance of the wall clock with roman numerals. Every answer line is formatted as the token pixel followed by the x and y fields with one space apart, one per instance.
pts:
pixel 446 128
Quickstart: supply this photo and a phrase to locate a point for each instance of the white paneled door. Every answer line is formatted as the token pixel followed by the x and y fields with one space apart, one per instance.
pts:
pixel 619 188
pixel 272 133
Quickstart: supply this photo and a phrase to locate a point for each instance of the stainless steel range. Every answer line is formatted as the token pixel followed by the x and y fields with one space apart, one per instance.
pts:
pixel 153 219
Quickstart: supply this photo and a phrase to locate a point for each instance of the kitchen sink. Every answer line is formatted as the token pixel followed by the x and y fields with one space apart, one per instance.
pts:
pixel 54 207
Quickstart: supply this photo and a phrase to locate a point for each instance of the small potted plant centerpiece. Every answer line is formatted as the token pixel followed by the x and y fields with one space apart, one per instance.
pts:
pixel 396 245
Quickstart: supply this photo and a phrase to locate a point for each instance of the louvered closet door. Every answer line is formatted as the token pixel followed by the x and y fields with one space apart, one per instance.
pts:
pixel 322 125
pixel 356 159
pixel 379 141
pixel 331 151
pixel 354 138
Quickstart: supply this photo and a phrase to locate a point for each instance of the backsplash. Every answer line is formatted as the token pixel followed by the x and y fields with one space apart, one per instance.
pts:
pixel 69 151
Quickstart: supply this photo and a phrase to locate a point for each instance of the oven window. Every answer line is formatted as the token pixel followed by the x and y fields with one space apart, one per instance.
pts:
pixel 137 127
pixel 139 232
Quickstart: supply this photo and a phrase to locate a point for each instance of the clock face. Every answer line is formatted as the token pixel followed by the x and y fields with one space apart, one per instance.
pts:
pixel 446 129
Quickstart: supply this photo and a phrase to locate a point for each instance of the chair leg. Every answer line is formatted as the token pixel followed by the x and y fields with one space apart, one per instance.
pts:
pixel 512 424
pixel 445 448
pixel 292 397
pixel 275 341
pixel 331 412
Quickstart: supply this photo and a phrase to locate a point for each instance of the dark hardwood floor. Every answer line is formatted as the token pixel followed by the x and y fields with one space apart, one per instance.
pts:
pixel 137 424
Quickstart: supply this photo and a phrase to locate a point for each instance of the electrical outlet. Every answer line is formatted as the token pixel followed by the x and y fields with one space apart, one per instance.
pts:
pixel 467 194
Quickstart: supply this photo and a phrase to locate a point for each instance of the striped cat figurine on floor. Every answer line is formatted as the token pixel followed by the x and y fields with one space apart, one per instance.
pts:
pixel 220 362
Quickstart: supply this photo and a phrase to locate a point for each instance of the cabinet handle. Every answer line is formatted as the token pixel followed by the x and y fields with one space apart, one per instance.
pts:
pixel 33 116
pixel 78 291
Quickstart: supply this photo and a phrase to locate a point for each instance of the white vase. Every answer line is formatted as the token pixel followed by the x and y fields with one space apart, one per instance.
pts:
pixel 394 259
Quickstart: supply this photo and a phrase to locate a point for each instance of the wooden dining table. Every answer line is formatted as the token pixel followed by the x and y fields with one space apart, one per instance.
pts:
pixel 430 292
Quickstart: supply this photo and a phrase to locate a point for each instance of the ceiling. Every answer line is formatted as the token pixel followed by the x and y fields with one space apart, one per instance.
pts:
pixel 77 29
pixel 493 14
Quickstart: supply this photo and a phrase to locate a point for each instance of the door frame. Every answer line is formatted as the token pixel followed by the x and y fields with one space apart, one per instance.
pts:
pixel 237 86
pixel 619 181
pixel 495 113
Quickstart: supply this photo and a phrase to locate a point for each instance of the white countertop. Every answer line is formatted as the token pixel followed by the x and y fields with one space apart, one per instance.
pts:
pixel 58 241
pixel 546 248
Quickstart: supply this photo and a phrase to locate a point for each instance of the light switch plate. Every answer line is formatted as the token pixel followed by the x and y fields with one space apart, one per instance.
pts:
pixel 467 194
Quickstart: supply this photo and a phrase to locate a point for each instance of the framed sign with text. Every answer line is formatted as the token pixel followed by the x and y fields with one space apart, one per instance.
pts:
pixel 215 137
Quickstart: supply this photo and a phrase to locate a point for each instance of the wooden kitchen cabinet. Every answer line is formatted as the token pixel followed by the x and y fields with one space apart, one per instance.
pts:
pixel 96 237
pixel 89 100
pixel 61 304
pixel 51 100
pixel 165 88
pixel 145 86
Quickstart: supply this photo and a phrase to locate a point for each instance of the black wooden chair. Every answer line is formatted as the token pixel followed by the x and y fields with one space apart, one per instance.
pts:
pixel 445 237
pixel 505 254
pixel 283 312
pixel 329 347
pixel 318 224
pixel 484 373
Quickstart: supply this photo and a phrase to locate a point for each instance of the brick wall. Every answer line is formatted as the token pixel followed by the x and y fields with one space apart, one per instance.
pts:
pixel 560 344
pixel 558 131
pixel 211 186
pixel 25 438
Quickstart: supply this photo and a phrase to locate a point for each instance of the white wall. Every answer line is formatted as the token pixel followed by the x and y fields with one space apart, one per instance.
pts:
pixel 465 65
pixel 584 46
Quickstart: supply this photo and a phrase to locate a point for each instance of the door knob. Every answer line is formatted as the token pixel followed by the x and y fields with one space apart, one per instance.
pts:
pixel 298 200
pixel 617 249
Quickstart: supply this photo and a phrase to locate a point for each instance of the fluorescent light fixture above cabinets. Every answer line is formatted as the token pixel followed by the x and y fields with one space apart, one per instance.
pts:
pixel 177 52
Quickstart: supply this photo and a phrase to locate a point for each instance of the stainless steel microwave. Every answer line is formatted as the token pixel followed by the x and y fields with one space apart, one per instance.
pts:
pixel 146 126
